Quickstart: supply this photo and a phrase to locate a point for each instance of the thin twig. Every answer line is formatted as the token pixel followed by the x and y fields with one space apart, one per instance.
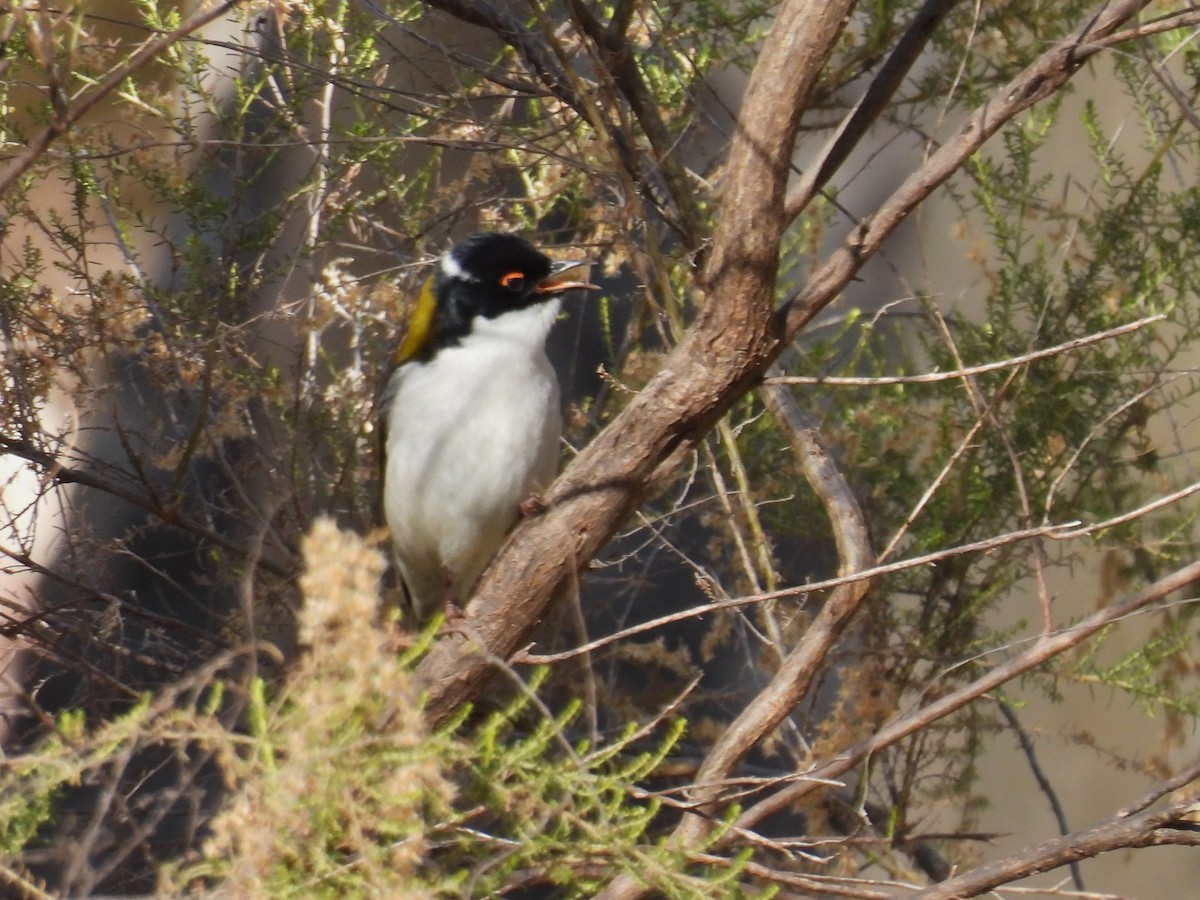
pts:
pixel 62 474
pixel 935 377
pixel 66 118
pixel 887 81
pixel 987 412
pixel 1061 532
pixel 1046 647
pixel 1043 781
pixel 1120 831
pixel 1042 79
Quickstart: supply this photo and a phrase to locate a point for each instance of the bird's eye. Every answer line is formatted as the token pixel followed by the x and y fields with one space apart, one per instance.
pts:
pixel 514 281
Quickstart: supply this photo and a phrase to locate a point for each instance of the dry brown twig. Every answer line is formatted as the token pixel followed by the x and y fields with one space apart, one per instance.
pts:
pixel 1061 532
pixel 1045 647
pixel 1012 362
pixel 69 116
pixel 1135 826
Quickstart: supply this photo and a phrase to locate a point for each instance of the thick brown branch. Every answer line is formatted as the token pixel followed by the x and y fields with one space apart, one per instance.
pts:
pixel 730 345
pixel 1043 78
pixel 719 360
pixel 849 528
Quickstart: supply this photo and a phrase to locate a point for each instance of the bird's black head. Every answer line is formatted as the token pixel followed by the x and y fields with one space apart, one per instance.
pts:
pixel 489 274
pixel 499 265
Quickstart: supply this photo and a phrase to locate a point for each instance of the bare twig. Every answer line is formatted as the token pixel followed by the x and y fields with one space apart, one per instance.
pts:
pixel 63 474
pixel 1145 509
pixel 987 411
pixel 1045 647
pixel 1043 781
pixel 29 890
pixel 69 116
pixel 968 371
pixel 881 90
pixel 1036 82
pixel 812 886
pixel 1061 532
pixel 1122 830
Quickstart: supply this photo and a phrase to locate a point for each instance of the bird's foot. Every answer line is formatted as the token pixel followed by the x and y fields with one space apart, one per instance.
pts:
pixel 533 505
pixel 453 614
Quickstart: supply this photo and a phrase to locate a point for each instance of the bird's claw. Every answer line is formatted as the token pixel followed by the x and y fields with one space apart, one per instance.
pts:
pixel 533 505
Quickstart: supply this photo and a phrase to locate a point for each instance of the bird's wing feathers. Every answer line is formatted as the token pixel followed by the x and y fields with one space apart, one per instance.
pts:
pixel 420 326
pixel 421 331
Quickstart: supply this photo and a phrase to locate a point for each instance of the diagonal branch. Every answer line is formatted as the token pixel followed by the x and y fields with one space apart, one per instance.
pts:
pixel 1045 648
pixel 1064 531
pixel 1023 359
pixel 1043 780
pixel 537 56
pixel 881 90
pixel 1043 78
pixel 719 359
pixel 617 54
pixel 70 116
pixel 734 338
pixel 1136 827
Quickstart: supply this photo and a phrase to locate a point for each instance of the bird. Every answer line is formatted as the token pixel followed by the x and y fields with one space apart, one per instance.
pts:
pixel 470 413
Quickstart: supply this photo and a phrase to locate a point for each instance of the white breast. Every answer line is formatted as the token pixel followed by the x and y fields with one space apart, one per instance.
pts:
pixel 470 435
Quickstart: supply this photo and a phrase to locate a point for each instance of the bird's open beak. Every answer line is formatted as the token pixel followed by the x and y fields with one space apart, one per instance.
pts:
pixel 555 285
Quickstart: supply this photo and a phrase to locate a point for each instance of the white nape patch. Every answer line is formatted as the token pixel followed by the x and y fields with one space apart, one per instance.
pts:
pixel 451 267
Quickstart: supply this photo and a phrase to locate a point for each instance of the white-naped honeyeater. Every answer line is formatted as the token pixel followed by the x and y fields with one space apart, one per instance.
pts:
pixel 470 413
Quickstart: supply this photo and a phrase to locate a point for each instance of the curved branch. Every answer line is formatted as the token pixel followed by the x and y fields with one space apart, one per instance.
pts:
pixel 795 675
pixel 720 358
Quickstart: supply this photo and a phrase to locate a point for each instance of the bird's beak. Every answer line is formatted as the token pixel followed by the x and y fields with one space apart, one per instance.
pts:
pixel 555 285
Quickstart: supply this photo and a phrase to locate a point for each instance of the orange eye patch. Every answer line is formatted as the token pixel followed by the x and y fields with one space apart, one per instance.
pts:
pixel 513 280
